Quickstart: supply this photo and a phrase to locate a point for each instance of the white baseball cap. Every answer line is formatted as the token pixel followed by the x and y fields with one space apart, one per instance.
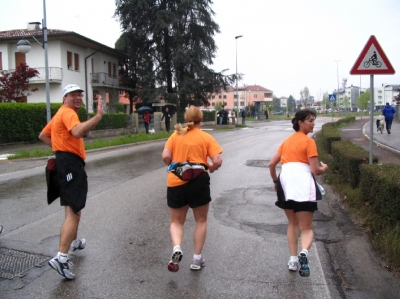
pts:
pixel 70 88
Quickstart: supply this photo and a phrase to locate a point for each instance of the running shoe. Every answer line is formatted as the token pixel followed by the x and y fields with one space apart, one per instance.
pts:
pixel 304 267
pixel 293 265
pixel 64 269
pixel 173 265
pixel 198 264
pixel 77 244
pixel 1 229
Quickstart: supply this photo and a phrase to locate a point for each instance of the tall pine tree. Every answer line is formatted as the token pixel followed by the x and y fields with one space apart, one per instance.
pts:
pixel 171 46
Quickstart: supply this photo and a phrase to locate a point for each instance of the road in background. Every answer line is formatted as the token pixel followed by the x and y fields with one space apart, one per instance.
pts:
pixel 126 224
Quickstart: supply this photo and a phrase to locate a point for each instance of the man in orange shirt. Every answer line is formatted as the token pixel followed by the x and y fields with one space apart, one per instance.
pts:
pixel 64 134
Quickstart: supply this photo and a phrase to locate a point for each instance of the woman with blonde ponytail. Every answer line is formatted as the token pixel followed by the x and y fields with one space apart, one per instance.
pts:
pixel 191 144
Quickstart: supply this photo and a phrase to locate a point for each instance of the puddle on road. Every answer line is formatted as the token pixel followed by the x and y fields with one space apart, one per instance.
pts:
pixel 251 209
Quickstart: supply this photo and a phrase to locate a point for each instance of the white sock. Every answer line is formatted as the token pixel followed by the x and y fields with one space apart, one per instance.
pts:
pixel 305 251
pixel 294 258
pixel 197 256
pixel 62 257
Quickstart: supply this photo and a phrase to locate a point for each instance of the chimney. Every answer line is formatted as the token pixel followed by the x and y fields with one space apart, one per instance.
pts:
pixel 34 26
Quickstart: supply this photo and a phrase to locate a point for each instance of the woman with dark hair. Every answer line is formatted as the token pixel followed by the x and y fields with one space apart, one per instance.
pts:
pixel 196 146
pixel 296 187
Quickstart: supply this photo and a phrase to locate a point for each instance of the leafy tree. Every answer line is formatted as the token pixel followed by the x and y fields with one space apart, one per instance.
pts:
pixel 15 85
pixel 170 44
pixel 291 104
pixel 218 106
pixel 119 108
pixel 346 102
pixel 251 109
pixel 304 95
pixel 362 100
pixel 277 103
pixel 325 101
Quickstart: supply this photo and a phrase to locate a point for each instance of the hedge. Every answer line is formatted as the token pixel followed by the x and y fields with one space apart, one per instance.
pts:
pixel 22 122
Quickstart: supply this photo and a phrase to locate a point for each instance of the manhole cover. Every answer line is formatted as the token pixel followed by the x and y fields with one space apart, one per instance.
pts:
pixel 15 263
pixel 260 163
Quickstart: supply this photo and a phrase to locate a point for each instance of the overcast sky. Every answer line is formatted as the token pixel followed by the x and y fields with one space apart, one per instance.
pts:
pixel 286 44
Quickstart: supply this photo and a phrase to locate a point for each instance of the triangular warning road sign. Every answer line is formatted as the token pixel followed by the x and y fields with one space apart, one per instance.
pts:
pixel 372 60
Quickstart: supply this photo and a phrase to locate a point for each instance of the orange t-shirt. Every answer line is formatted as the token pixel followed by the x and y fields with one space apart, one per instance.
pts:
pixel 298 147
pixel 194 146
pixel 59 129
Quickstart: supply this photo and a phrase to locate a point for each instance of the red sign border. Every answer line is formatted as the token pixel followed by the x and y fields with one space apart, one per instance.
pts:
pixel 372 40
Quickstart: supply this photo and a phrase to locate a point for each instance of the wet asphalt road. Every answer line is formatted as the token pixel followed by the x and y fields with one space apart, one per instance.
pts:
pixel 126 224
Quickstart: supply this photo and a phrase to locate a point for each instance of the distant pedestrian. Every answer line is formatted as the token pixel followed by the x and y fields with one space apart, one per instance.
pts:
pixel 146 120
pixel 388 111
pixel 167 116
pixel 297 190
pixel 266 114
pixel 197 147
pixel 243 115
pixel 64 134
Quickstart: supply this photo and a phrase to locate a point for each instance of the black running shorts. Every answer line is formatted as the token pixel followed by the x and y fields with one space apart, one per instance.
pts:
pixel 194 193
pixel 296 206
pixel 73 180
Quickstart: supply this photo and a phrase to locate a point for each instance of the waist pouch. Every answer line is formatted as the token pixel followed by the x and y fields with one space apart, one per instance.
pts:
pixel 187 171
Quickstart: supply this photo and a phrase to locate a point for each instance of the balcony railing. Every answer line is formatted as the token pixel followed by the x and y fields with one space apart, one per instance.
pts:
pixel 103 79
pixel 55 75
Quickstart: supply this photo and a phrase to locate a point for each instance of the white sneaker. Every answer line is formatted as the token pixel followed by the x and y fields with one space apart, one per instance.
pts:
pixel 173 265
pixel 63 269
pixel 77 244
pixel 198 264
pixel 293 265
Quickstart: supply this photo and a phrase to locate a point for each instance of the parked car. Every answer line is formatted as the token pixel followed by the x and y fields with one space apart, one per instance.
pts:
pixel 277 113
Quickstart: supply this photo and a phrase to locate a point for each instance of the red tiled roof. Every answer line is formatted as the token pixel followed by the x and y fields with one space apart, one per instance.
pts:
pixel 256 88
pixel 246 88
pixel 26 32
pixel 56 34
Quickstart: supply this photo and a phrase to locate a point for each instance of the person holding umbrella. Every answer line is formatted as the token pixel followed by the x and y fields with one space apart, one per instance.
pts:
pixel 146 120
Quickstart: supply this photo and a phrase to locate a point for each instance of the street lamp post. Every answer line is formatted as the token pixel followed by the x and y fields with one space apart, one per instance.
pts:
pixel 237 95
pixel 24 47
pixel 337 73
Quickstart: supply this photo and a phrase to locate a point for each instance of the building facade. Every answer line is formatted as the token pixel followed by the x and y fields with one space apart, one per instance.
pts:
pixel 72 59
pixel 248 95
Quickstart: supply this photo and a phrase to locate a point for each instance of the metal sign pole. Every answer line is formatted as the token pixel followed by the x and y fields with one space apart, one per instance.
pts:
pixel 371 120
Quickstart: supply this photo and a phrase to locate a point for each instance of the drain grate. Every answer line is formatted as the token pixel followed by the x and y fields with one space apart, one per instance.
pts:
pixel 15 263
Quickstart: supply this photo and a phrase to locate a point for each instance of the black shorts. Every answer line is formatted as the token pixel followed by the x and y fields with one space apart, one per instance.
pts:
pixel 296 206
pixel 194 193
pixel 73 180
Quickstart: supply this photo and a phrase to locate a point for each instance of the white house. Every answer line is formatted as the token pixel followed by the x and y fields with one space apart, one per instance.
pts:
pixel 72 58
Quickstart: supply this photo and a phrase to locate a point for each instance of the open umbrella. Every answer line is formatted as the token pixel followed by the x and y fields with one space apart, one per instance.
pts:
pixel 143 109
pixel 171 109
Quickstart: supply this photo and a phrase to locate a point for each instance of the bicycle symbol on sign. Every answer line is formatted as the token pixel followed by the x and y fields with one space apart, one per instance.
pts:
pixel 372 61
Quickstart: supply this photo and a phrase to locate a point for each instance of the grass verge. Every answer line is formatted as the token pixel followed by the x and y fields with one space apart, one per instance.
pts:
pixel 94 144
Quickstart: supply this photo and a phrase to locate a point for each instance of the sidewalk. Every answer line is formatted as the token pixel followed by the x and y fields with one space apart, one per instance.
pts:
pixel 385 147
pixel 389 141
